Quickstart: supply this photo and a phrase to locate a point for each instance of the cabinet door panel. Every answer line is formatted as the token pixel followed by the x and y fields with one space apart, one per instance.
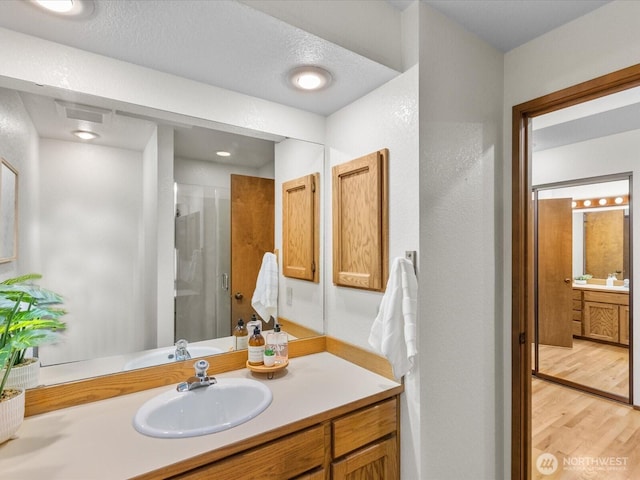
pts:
pixel 624 324
pixel 377 462
pixel 360 222
pixel 601 321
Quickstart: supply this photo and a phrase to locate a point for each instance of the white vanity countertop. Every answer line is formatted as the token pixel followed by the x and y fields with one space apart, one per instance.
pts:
pixel 98 441
pixel 604 288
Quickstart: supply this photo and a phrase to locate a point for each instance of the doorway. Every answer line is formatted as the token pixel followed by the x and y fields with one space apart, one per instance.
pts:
pixel 523 304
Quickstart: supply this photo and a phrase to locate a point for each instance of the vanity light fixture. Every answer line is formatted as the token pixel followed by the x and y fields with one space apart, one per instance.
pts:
pixel 309 78
pixel 85 134
pixel 67 8
pixel 587 203
pixel 574 204
pixel 222 153
pixel 602 201
pixel 619 200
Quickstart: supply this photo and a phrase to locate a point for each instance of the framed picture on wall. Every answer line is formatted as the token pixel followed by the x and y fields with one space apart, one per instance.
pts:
pixel 8 212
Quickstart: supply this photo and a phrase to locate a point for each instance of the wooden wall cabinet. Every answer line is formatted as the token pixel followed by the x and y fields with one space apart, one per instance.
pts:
pixel 301 228
pixel 361 444
pixel 360 222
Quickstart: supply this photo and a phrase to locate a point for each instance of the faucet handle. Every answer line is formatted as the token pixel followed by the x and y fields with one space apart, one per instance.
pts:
pixel 201 367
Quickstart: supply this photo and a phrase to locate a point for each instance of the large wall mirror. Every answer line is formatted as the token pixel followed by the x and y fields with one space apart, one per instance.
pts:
pixel 583 289
pixel 144 208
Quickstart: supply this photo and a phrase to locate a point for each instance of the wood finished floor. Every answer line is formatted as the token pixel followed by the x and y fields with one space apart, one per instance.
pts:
pixel 598 365
pixel 581 430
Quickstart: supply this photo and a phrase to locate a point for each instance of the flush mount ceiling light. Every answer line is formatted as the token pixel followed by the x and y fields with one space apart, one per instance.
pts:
pixel 66 7
pixel 309 78
pixel 222 153
pixel 85 134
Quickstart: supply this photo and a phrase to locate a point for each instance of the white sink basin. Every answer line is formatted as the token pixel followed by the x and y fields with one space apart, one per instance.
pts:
pixel 223 405
pixel 167 355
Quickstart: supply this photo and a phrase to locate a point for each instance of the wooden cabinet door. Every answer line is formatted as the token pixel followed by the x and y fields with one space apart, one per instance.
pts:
pixel 360 222
pixel 601 321
pixel 623 333
pixel 376 462
pixel 301 228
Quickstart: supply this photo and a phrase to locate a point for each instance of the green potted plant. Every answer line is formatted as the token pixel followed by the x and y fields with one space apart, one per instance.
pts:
pixel 583 279
pixel 29 317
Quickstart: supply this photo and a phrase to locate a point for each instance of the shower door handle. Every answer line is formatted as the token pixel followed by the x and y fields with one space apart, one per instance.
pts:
pixel 225 282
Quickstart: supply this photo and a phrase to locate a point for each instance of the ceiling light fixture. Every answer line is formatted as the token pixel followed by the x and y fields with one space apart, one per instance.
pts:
pixel 309 78
pixel 85 134
pixel 67 8
pixel 222 153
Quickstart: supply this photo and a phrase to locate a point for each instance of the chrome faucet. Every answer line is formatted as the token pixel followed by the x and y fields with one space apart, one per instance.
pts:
pixel 199 380
pixel 181 351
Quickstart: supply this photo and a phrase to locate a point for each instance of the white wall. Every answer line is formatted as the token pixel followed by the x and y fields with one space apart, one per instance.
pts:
pixel 601 42
pixel 385 118
pixel 460 157
pixel 90 213
pixel 295 159
pixel 197 172
pixel 19 146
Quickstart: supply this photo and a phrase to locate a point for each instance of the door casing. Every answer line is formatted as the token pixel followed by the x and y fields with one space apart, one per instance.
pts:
pixel 522 249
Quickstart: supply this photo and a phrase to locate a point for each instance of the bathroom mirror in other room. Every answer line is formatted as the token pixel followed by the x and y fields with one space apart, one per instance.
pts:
pixel 8 211
pixel 131 228
pixel 583 245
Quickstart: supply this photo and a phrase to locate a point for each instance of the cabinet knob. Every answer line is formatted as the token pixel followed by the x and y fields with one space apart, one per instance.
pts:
pixel 238 296
pixel 567 280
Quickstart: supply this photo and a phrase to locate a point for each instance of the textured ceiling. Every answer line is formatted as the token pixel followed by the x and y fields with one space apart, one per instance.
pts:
pixel 223 43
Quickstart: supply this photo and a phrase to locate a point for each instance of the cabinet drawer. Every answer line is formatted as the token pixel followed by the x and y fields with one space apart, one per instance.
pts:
pixel 577 294
pixel 577 305
pixel 577 328
pixel 607 297
pixel 285 458
pixel 357 429
pixel 577 316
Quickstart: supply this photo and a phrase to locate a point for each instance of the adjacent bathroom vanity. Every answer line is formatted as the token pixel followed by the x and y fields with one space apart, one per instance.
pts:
pixel 601 313
pixel 329 418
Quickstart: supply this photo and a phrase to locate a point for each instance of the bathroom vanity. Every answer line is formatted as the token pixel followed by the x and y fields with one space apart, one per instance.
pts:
pixel 329 418
pixel 601 312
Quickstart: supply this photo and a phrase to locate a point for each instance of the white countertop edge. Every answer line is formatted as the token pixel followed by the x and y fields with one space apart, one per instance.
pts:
pixel 97 440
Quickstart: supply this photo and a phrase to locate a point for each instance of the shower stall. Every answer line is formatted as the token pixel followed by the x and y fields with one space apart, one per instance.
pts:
pixel 202 262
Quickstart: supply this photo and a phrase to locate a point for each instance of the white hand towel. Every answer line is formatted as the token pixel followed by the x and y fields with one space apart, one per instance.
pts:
pixel 393 332
pixel 265 296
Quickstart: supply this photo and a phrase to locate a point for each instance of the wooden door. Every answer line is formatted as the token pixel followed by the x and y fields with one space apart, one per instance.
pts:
pixel 555 291
pixel 252 234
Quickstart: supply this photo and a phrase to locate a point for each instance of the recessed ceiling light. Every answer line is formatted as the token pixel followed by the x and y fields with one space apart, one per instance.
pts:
pixel 66 7
pixel 85 134
pixel 222 153
pixel 309 78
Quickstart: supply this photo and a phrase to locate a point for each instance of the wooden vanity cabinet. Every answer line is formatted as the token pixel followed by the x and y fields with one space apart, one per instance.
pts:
pixel 361 444
pixel 365 444
pixel 606 316
pixel 577 312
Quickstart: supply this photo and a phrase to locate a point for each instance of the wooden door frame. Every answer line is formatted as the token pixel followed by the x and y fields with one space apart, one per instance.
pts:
pixel 522 251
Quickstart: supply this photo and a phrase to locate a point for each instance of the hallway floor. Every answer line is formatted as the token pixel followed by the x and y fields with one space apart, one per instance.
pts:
pixel 580 436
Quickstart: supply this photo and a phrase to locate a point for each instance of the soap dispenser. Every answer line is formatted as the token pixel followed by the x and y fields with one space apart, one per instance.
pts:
pixel 279 342
pixel 241 335
pixel 256 348
pixel 609 281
